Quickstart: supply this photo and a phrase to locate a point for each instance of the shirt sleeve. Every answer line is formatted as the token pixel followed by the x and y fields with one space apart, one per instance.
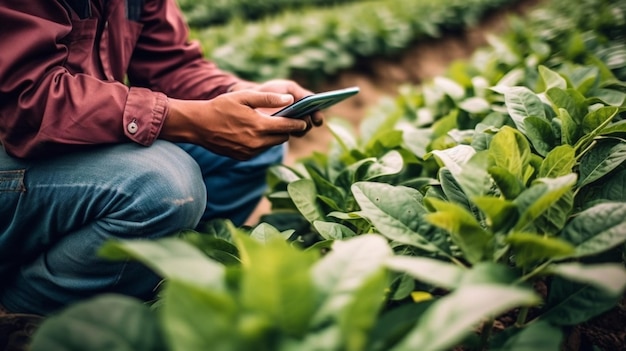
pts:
pixel 46 109
pixel 180 71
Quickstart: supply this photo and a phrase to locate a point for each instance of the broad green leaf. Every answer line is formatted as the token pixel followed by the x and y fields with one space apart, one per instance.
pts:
pixel 219 248
pixel 288 297
pixel 362 311
pixel 613 188
pixel 376 127
pixel 509 80
pixel 570 100
pixel 542 195
pixel 540 133
pixel 452 190
pixel 417 140
pixel 599 119
pixel 521 103
pixel 344 271
pixel 610 97
pixel 597 229
pixel 474 178
pixel 449 87
pixel 558 162
pixel 600 160
pixel 171 258
pixel 432 271
pixel 196 318
pixel 333 231
pixel 390 163
pixel 501 213
pixel 395 211
pixel 582 77
pixel 283 174
pixel 551 79
pixel 325 188
pixel 476 105
pixel 572 303
pixel 265 232
pixel 569 127
pixel 442 127
pixel 510 150
pixel 536 336
pixel 553 220
pixel 618 127
pixel 328 338
pixel 401 287
pixel 510 186
pixel 383 142
pixel 610 277
pixel 394 324
pixel 343 133
pixel 453 317
pixel 465 231
pixel 304 196
pixel 354 172
pixel 487 273
pixel 455 157
pixel 532 248
pixel 106 322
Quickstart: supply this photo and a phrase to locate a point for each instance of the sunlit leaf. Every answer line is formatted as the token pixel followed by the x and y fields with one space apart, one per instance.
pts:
pixel 597 229
pixel 608 276
pixel 452 317
pixel 532 248
pixel 304 195
pixel 465 231
pixel 521 103
pixel 171 258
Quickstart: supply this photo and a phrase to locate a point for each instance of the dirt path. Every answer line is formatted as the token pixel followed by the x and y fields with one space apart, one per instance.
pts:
pixel 382 77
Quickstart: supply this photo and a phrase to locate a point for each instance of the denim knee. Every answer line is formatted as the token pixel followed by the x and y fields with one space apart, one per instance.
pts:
pixel 167 190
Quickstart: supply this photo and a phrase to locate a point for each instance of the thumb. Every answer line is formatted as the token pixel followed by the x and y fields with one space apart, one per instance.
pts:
pixel 264 100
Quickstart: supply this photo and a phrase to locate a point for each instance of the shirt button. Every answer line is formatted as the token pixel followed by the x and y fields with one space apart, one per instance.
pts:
pixel 132 127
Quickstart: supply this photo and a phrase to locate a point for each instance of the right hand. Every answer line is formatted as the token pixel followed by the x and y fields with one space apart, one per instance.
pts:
pixel 231 124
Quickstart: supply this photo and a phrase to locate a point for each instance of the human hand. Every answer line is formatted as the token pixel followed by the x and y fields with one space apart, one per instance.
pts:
pixel 232 124
pixel 284 86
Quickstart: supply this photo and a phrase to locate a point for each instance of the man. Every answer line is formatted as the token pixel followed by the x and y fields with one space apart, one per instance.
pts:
pixel 88 158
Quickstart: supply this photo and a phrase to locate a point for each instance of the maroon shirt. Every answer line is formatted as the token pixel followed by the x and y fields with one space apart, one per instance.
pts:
pixel 62 77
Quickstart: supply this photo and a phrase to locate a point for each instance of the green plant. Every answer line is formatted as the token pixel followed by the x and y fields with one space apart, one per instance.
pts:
pixel 315 43
pixel 495 191
pixel 203 13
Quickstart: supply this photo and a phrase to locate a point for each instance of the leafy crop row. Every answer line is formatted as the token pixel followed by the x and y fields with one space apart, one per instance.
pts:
pixel 316 43
pixel 496 190
pixel 203 13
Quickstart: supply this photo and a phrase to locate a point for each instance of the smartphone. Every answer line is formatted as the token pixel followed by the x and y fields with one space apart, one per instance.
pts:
pixel 312 103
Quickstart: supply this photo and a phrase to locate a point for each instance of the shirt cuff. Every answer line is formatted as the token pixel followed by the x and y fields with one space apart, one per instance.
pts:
pixel 144 115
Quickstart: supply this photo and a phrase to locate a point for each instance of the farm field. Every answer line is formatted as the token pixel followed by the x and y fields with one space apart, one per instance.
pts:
pixel 471 197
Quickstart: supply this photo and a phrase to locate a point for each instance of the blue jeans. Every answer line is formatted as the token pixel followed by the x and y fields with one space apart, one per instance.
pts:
pixel 55 214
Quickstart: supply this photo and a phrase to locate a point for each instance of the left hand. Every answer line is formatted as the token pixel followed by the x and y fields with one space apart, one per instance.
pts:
pixel 284 86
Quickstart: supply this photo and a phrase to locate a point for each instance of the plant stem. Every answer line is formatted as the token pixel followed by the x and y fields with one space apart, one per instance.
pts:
pixel 534 272
pixel 486 334
pixel 457 262
pixel 521 317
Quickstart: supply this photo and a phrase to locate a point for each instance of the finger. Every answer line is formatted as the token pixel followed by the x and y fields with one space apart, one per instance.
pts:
pixel 309 126
pixel 283 125
pixel 317 118
pixel 264 100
